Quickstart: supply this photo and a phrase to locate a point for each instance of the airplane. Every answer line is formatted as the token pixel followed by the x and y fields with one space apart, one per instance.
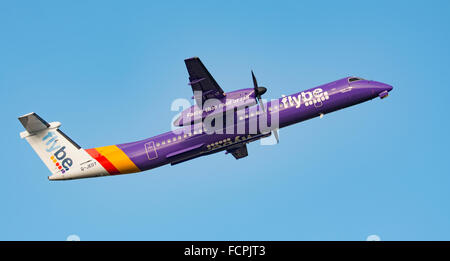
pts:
pixel 201 129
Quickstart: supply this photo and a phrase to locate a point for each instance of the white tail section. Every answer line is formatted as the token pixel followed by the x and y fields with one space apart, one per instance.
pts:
pixel 62 156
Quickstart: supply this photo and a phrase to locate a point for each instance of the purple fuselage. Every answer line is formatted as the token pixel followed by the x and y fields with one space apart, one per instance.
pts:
pixel 193 141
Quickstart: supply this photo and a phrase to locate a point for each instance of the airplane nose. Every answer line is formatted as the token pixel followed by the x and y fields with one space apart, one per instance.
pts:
pixel 381 86
pixel 389 87
pixel 381 89
pixel 378 89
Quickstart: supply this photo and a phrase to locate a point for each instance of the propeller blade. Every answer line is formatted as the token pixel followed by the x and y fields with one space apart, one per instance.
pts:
pixel 275 133
pixel 255 83
pixel 258 92
pixel 261 104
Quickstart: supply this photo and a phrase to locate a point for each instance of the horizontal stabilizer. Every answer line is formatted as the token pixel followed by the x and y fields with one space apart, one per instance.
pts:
pixel 33 123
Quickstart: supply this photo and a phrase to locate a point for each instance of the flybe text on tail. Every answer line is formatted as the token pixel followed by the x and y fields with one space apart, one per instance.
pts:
pixel 59 157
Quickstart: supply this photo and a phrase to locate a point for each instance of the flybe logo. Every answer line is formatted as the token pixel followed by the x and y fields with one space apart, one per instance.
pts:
pixel 59 155
pixel 315 97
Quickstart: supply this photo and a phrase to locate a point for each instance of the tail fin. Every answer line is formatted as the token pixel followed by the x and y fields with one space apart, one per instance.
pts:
pixel 63 157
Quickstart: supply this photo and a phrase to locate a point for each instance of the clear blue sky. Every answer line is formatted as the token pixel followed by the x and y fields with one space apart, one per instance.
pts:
pixel 109 71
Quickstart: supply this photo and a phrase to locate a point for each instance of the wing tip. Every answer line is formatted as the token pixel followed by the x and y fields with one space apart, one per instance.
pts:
pixel 191 59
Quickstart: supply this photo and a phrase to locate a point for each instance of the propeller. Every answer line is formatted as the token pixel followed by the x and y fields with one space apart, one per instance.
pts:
pixel 259 90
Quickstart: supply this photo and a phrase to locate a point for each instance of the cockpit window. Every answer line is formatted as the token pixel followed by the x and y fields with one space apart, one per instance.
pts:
pixel 354 79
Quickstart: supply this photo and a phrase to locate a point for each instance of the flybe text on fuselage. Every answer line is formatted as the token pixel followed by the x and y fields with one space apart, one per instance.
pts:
pixel 316 96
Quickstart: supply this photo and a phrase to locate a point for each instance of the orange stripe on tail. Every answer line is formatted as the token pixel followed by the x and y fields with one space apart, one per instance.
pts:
pixel 103 161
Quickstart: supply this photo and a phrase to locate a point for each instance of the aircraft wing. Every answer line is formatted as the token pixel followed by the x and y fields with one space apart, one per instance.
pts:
pixel 239 152
pixel 203 84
